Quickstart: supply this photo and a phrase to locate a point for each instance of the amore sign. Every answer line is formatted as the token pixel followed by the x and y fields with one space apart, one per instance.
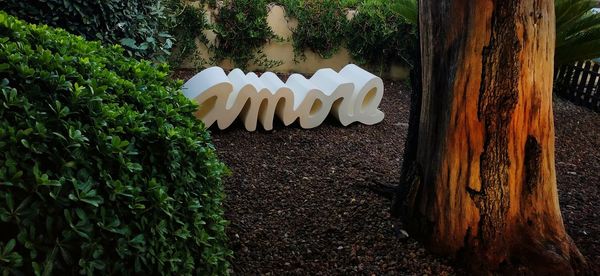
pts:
pixel 352 95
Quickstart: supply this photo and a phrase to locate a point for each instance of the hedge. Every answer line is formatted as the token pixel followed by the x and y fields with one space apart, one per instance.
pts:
pixel 381 34
pixel 103 168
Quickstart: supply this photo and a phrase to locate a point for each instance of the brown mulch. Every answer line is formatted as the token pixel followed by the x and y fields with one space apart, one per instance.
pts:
pixel 578 175
pixel 299 203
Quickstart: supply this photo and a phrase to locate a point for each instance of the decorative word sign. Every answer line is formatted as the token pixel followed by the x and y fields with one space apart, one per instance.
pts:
pixel 352 95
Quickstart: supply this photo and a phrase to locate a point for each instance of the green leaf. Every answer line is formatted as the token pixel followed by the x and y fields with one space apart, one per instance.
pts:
pixel 577 31
pixel 93 200
pixel 9 247
pixel 134 167
pixel 25 143
pixel 36 269
pixel 129 43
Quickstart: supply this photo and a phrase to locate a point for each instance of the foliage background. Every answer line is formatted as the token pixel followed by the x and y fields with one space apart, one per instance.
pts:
pixel 168 30
pixel 136 24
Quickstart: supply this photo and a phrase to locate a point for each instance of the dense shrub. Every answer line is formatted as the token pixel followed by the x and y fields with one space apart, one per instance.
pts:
pixel 380 35
pixel 103 168
pixel 241 28
pixel 321 26
pixel 136 24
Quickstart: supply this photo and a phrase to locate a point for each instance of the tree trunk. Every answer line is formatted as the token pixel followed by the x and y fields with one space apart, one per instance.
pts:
pixel 482 184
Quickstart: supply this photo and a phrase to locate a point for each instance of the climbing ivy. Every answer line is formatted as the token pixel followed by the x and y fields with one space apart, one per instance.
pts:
pixel 187 25
pixel 241 28
pixel 379 33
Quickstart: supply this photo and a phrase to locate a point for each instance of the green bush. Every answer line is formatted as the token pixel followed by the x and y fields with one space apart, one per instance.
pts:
pixel 103 168
pixel 135 24
pixel 321 26
pixel 242 30
pixel 380 35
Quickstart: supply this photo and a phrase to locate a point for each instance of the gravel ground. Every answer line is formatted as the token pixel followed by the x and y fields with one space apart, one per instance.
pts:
pixel 299 203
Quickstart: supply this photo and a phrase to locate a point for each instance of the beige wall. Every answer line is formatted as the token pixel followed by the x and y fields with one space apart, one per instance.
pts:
pixel 283 50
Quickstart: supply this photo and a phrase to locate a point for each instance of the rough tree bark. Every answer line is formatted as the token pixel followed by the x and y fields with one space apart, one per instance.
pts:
pixel 481 184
